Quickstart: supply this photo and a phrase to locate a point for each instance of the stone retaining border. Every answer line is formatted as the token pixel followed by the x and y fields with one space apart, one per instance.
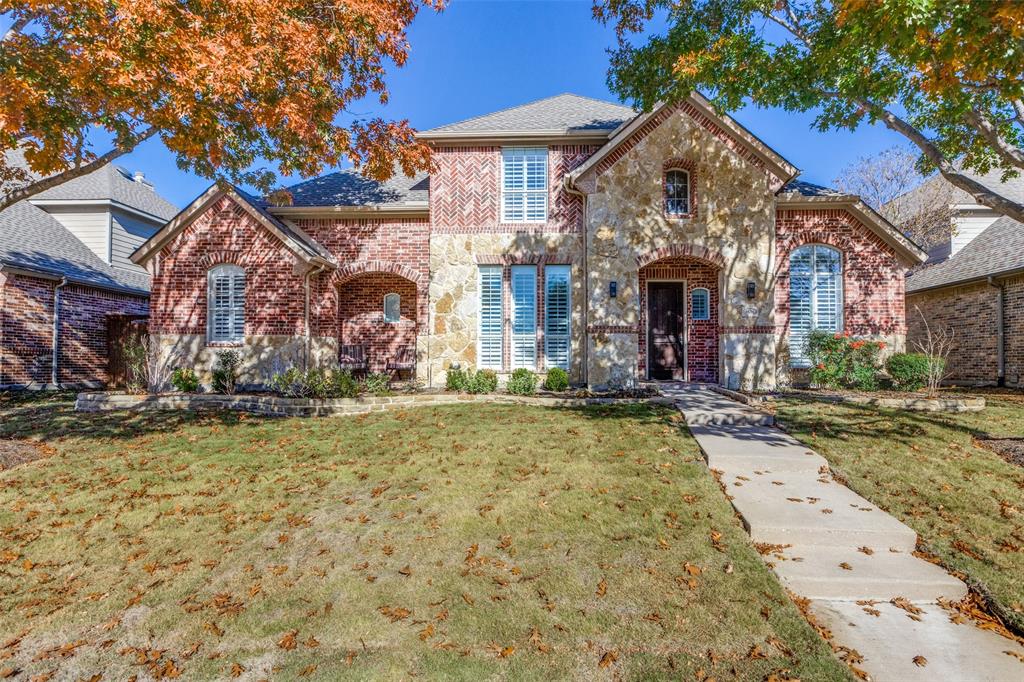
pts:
pixel 308 407
pixel 912 404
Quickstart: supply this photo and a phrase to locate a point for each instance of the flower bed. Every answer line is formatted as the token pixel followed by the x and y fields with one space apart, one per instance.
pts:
pixel 272 405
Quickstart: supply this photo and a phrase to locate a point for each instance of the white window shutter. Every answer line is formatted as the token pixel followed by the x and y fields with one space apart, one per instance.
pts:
pixel 815 297
pixel 524 316
pixel 557 314
pixel 524 185
pixel 489 351
pixel 227 303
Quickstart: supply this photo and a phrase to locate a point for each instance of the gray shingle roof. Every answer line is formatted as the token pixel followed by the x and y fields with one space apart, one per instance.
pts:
pixel 114 183
pixel 351 188
pixel 999 249
pixel 809 189
pixel 310 245
pixel 33 240
pixel 561 114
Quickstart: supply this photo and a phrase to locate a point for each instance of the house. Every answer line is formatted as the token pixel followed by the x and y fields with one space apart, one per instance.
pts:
pixel 65 272
pixel 974 287
pixel 565 232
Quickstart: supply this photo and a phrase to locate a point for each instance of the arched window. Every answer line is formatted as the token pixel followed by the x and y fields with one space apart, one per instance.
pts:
pixel 677 192
pixel 392 308
pixel 700 304
pixel 226 305
pixel 815 296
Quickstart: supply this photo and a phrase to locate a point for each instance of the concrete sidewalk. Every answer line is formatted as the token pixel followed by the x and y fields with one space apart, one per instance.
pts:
pixel 846 555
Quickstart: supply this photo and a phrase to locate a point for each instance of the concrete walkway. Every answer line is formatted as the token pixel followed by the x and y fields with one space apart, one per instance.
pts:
pixel 846 555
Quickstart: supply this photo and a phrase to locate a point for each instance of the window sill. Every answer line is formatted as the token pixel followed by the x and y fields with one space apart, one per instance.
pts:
pixel 225 344
pixel 680 216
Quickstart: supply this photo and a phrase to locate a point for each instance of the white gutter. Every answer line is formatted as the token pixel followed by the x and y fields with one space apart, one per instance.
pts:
pixel 1000 333
pixel 55 341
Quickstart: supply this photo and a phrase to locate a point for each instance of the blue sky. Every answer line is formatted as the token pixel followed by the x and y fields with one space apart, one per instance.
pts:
pixel 483 55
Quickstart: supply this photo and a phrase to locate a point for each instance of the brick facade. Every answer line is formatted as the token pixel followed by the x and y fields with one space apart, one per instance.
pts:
pixel 702 335
pixel 26 330
pixel 971 311
pixel 873 276
pixel 361 311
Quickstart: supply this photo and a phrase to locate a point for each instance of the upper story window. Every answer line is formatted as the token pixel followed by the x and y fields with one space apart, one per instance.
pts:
pixel 226 305
pixel 392 308
pixel 677 192
pixel 524 185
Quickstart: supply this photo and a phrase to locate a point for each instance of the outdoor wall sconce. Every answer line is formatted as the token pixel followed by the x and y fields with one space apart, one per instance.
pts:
pixel 613 289
pixel 751 290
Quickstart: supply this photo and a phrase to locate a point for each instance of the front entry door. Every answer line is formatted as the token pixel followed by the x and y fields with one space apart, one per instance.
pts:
pixel 666 322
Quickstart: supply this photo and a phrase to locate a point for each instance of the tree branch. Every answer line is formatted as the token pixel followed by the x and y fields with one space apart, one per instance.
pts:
pixel 43 184
pixel 16 28
pixel 982 194
pixel 1007 152
pixel 1018 106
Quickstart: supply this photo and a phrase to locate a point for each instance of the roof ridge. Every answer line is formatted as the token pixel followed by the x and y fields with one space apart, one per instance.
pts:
pixel 526 104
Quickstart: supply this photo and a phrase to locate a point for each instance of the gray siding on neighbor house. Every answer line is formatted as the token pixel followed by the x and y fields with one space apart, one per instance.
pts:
pixel 91 225
pixel 127 234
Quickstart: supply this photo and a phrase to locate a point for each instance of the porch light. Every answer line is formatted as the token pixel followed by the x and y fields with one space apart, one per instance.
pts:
pixel 613 289
pixel 751 290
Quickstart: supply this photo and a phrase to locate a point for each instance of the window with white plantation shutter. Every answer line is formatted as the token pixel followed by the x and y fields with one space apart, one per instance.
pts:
pixel 226 303
pixel 524 185
pixel 524 316
pixel 491 323
pixel 557 309
pixel 815 297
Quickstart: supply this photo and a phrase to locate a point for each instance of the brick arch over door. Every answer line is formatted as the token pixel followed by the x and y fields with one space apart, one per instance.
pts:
pixel 699 253
pixel 699 272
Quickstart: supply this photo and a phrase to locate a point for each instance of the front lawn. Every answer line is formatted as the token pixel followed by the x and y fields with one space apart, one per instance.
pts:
pixel 965 502
pixel 468 541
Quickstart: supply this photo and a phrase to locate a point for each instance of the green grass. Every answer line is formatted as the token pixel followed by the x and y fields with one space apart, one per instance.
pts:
pixel 965 502
pixel 461 542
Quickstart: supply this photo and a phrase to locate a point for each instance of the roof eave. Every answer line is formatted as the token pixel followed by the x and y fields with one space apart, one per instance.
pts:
pixel 911 252
pixel 973 279
pixel 521 136
pixel 109 203
pixel 335 211
pixel 56 276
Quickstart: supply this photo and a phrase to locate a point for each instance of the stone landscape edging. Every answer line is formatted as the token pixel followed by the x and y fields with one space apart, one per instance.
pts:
pixel 310 407
pixel 975 404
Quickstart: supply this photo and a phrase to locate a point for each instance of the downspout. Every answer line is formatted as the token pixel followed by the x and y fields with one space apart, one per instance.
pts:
pixel 585 374
pixel 308 342
pixel 55 341
pixel 1000 332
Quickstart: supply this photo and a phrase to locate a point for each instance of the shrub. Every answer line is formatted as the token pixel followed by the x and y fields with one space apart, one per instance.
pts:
pixel 483 381
pixel 839 361
pixel 456 380
pixel 522 382
pixel 557 380
pixel 136 365
pixel 290 383
pixel 909 371
pixel 377 383
pixel 185 380
pixel 225 373
pixel 344 385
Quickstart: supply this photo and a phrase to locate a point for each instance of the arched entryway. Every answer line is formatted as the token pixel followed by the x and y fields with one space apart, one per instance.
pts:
pixel 378 316
pixel 679 309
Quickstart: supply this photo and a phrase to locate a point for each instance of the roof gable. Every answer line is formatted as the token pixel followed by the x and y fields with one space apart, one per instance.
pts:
pixel 298 242
pixel 728 131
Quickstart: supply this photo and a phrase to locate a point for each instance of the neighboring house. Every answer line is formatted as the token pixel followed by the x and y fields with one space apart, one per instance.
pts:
pixel 65 271
pixel 975 287
pixel 565 232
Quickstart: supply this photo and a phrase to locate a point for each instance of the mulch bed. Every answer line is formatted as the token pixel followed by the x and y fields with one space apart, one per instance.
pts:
pixel 1010 449
pixel 15 452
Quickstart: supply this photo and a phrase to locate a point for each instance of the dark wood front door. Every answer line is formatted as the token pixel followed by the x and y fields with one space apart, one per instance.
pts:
pixel 666 324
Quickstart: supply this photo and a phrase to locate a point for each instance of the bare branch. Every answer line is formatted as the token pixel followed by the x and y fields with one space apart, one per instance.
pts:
pixel 982 194
pixel 1006 151
pixel 34 188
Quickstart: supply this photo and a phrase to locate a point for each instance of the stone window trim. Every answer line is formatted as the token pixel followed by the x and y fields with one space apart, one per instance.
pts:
pixel 690 168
